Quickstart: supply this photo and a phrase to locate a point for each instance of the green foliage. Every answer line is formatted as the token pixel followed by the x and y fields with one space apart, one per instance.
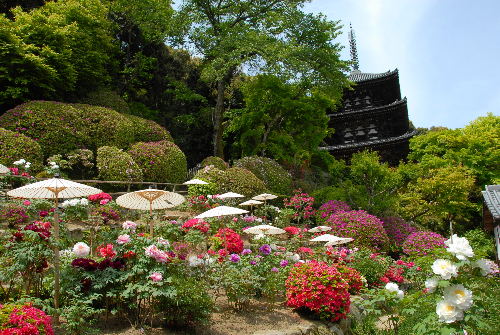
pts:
pixel 371 267
pixel 106 97
pixel 15 146
pixel 213 176
pixel 482 244
pixel 242 181
pixel 160 161
pixel 147 130
pixel 437 195
pixel 115 164
pixel 324 194
pixel 275 177
pixel 59 50
pixel 217 162
pixel 279 120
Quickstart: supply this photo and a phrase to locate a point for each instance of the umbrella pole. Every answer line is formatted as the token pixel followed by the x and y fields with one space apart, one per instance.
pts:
pixel 57 273
pixel 151 230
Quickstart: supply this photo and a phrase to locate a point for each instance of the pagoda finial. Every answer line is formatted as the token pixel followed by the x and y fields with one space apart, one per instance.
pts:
pixel 354 50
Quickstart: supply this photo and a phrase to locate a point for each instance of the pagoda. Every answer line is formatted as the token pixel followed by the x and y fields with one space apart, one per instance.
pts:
pixel 373 116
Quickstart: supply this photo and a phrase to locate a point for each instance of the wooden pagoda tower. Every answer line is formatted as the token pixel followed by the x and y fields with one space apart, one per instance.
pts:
pixel 373 116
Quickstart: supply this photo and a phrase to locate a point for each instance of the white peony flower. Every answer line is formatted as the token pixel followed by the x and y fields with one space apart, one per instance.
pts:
pixel 392 287
pixel 194 261
pixel 84 201
pixel 484 265
pixel 444 268
pixel 400 294
pixel 27 165
pixel 19 162
pixel 81 249
pixel 459 296
pixel 55 166
pixel 431 284
pixel 448 312
pixel 460 247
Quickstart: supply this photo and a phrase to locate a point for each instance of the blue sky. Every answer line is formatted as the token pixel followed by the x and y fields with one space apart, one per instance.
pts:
pixel 447 52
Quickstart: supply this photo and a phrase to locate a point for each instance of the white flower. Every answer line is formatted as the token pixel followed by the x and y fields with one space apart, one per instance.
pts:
pixel 55 166
pixel 460 247
pixel 292 257
pixel 52 163
pixel 400 294
pixel 484 265
pixel 431 284
pixel 163 241
pixel 19 162
pixel 458 296
pixel 84 201
pixel 392 287
pixel 81 249
pixel 259 236
pixel 27 165
pixel 448 313
pixel 444 268
pixel 194 261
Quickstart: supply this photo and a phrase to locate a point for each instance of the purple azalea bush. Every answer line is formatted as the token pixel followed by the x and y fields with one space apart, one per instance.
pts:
pixel 331 207
pixel 397 229
pixel 423 242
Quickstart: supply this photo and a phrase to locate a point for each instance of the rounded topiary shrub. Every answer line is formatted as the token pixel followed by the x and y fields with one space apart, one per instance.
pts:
pixel 213 176
pixel 329 208
pixel 397 229
pixel 318 288
pixel 14 146
pixel 242 181
pixel 215 161
pixel 108 98
pixel 115 164
pixel 148 131
pixel 160 161
pixel 274 176
pixel 366 230
pixel 422 243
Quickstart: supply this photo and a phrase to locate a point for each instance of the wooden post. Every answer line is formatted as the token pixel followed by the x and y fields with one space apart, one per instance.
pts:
pixel 57 273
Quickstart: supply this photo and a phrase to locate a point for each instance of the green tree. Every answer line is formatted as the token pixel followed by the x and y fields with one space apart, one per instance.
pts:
pixel 263 36
pixel 278 120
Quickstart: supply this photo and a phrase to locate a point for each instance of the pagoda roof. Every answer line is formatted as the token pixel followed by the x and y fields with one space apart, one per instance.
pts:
pixel 491 196
pixel 358 76
pixel 370 143
pixel 370 110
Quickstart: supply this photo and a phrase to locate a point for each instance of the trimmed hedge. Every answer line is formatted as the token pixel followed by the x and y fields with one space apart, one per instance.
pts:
pixel 160 161
pixel 148 131
pixel 115 164
pixel 274 176
pixel 213 176
pixel 216 162
pixel 242 181
pixel 15 146
pixel 108 98
pixel 61 128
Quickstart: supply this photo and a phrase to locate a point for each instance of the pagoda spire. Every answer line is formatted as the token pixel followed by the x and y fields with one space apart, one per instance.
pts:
pixel 354 50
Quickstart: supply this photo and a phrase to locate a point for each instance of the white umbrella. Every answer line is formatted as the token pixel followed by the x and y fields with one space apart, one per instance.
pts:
pixel 265 196
pixel 325 238
pixel 195 182
pixel 150 199
pixel 341 240
pixel 251 203
pixel 54 188
pixel 264 229
pixel 319 229
pixel 221 211
pixel 4 169
pixel 228 195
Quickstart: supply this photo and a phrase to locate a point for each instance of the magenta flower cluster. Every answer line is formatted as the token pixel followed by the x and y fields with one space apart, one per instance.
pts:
pixel 301 203
pixel 423 242
pixel 397 229
pixel 366 230
pixel 331 207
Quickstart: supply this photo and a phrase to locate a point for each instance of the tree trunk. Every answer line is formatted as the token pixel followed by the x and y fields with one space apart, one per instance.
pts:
pixel 218 116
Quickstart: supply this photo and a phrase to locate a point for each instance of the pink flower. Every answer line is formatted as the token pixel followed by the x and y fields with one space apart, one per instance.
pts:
pixel 156 277
pixel 122 239
pixel 129 225
pixel 26 202
pixel 104 201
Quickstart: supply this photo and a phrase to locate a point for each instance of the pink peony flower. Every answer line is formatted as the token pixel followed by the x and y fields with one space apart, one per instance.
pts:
pixel 104 201
pixel 156 277
pixel 81 249
pixel 122 239
pixel 26 202
pixel 129 225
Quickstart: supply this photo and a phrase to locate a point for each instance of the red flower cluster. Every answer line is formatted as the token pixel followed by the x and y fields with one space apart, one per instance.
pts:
pixel 25 320
pixel 320 288
pixel 301 203
pixel 199 201
pixel 16 172
pixel 231 241
pixel 353 278
pixel 305 250
pixel 291 230
pixel 106 251
pixel 198 224
pixel 100 196
pixel 396 273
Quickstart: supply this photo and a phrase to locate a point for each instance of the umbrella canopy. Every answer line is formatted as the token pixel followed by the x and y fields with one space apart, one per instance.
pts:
pixel 319 229
pixel 325 238
pixel 265 196
pixel 251 202
pixel 341 240
pixel 231 195
pixel 221 211
pixel 150 199
pixel 54 188
pixel 195 182
pixel 4 169
pixel 264 229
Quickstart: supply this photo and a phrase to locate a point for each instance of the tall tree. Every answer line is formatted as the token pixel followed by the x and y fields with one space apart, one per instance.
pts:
pixel 268 36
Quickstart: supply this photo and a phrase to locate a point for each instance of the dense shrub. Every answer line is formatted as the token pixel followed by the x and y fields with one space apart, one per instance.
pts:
pixel 327 193
pixel 215 161
pixel 24 319
pixel 213 176
pixel 366 230
pixel 371 266
pixel 242 181
pixel 14 146
pixel 329 208
pixel 115 164
pixel 319 288
pixel 423 242
pixel 108 98
pixel 482 244
pixel 160 161
pixel 146 130
pixel 61 128
pixel 397 229
pixel 274 176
